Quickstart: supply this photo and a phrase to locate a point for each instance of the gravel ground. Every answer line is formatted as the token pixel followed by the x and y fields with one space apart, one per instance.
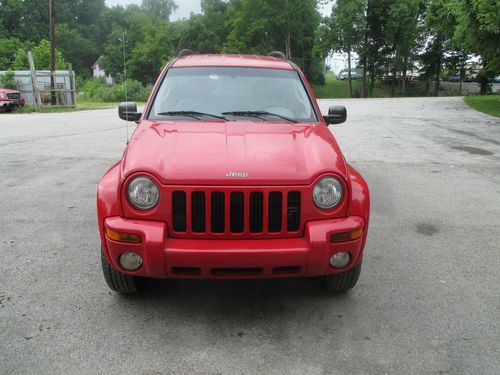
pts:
pixel 428 300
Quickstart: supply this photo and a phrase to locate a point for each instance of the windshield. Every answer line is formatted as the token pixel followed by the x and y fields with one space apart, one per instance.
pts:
pixel 235 94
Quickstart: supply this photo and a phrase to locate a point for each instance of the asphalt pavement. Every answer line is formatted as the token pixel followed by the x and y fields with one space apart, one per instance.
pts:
pixel 427 302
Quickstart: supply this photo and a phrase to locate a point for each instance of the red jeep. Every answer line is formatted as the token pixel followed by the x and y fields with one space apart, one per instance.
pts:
pixel 10 99
pixel 232 172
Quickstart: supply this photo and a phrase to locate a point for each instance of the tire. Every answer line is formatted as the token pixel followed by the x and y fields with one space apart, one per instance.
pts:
pixel 342 282
pixel 116 280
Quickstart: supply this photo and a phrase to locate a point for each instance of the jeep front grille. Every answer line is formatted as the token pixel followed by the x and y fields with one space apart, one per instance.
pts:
pixel 235 212
pixel 13 95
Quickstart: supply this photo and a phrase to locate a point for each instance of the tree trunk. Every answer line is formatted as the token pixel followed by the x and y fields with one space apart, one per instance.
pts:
pixel 52 32
pixel 438 67
pixel 349 72
pixel 394 72
pixel 363 79
pixel 403 71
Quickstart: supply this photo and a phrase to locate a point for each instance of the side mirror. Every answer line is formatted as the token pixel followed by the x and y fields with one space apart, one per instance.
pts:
pixel 337 114
pixel 128 111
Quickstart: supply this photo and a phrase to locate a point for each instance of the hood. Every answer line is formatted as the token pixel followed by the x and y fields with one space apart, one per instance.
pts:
pixel 228 153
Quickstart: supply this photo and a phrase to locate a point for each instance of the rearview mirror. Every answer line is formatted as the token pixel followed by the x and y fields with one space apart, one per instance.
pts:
pixel 337 114
pixel 128 111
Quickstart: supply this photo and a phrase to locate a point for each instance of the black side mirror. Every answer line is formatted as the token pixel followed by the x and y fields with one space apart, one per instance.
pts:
pixel 128 111
pixel 337 114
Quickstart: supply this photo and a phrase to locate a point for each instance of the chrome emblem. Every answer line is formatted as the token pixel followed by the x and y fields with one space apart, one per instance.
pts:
pixel 237 174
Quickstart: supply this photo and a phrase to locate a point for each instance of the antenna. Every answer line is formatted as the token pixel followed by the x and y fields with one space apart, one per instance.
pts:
pixel 124 33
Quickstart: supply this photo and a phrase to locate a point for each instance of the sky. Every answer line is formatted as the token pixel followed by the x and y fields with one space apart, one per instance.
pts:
pixel 185 7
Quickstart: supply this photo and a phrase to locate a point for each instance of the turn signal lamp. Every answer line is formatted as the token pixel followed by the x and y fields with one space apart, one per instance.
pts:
pixel 123 237
pixel 346 236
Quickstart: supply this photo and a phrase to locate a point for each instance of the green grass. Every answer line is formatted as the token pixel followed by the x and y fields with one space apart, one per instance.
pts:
pixel 81 106
pixel 489 104
pixel 337 89
pixel 334 88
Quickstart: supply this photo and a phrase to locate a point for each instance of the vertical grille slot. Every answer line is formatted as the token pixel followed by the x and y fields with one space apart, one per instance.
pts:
pixel 198 211
pixel 217 212
pixel 256 212
pixel 179 211
pixel 237 212
pixel 293 211
pixel 275 208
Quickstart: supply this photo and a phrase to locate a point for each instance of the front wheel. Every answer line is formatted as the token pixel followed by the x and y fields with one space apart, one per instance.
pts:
pixel 116 280
pixel 342 282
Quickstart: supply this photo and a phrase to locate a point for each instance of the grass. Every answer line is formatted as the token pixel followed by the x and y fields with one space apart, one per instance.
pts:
pixel 334 88
pixel 338 89
pixel 489 104
pixel 81 106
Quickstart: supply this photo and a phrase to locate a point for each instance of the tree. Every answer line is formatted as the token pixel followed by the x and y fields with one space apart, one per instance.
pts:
pixel 402 35
pixel 478 31
pixel 8 48
pixel 41 57
pixel 159 8
pixel 348 24
pixel 261 26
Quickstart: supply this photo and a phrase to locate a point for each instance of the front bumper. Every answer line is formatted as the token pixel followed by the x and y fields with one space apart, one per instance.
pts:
pixel 11 103
pixel 165 257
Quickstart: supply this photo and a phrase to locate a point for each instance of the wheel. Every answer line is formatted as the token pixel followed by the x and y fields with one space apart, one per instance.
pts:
pixel 117 281
pixel 342 282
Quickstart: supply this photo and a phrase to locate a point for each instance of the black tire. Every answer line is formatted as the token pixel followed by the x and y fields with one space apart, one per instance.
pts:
pixel 117 281
pixel 342 282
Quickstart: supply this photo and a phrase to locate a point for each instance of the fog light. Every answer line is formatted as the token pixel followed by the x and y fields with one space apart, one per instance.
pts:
pixel 340 260
pixel 130 261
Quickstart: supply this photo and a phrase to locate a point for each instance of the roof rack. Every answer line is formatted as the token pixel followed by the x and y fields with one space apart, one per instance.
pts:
pixel 278 54
pixel 185 52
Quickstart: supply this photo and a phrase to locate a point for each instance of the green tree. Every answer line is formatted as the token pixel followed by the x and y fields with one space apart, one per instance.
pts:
pixel 478 31
pixel 77 49
pixel 8 48
pixel 348 23
pixel 160 8
pixel 41 58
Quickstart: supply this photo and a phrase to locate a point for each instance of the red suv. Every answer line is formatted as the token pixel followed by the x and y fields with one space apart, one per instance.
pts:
pixel 10 99
pixel 232 172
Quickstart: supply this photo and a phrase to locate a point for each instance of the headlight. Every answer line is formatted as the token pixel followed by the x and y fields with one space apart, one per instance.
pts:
pixel 143 193
pixel 3 95
pixel 327 193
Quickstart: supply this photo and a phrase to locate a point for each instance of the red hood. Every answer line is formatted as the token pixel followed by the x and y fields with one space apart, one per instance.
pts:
pixel 8 90
pixel 206 152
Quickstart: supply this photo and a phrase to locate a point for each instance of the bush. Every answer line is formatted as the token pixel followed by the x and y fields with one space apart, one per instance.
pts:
pixel 8 81
pixel 96 90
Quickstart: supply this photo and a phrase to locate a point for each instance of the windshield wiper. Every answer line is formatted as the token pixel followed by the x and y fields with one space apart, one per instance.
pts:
pixel 193 114
pixel 257 114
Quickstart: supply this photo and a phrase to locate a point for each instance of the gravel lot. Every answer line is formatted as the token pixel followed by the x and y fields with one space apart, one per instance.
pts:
pixel 428 300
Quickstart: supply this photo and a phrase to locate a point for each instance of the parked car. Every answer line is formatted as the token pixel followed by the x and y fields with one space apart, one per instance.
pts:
pixel 345 75
pixel 10 99
pixel 454 78
pixel 232 172
pixel 496 79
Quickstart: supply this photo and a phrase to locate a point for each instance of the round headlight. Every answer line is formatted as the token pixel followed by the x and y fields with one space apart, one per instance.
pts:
pixel 143 193
pixel 327 193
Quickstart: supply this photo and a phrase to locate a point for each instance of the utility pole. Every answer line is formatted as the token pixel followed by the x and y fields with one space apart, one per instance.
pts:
pixel 53 100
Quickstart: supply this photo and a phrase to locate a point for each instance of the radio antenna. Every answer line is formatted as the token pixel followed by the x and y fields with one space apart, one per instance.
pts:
pixel 124 33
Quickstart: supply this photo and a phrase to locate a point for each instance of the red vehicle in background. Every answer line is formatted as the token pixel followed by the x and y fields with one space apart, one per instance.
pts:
pixel 10 99
pixel 232 172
